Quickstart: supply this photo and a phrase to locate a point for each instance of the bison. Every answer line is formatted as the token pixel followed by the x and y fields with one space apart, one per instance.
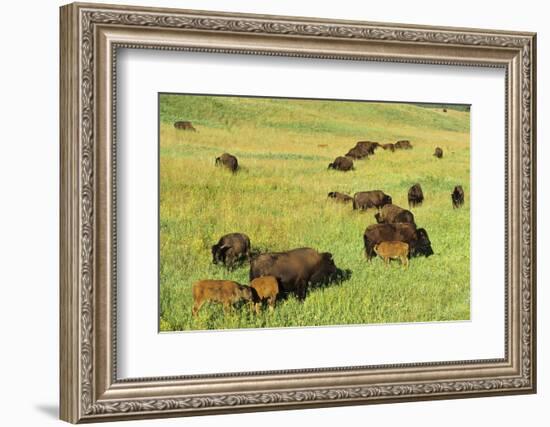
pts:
pixel 231 249
pixel 393 250
pixel 184 125
pixel 404 144
pixel 267 289
pixel 390 147
pixel 417 238
pixel 295 269
pixel 229 161
pixel 340 197
pixel 390 214
pixel 457 196
pixel 438 153
pixel 225 292
pixel 367 146
pixel 342 164
pixel 357 153
pixel 415 195
pixel 370 199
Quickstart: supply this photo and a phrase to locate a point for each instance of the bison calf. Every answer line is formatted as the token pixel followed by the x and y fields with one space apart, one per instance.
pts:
pixel 438 153
pixel 225 292
pixel 229 161
pixel 393 250
pixel 457 196
pixel 267 289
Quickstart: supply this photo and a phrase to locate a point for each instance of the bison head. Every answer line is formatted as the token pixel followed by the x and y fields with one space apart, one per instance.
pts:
pixel 378 218
pixel 422 244
pixel 387 200
pixel 332 194
pixel 325 270
pixel 218 253
pixel 247 293
pixel 330 166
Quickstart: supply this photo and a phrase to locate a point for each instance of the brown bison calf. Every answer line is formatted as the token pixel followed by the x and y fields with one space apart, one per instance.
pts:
pixel 393 250
pixel 225 292
pixel 267 289
pixel 184 125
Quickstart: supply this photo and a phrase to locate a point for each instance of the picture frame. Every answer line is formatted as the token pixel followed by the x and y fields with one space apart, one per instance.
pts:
pixel 90 390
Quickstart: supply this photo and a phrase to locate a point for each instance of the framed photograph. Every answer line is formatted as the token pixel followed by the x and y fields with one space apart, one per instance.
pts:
pixel 265 213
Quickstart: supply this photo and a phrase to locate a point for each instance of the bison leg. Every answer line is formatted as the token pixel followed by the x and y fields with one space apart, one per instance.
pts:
pixel 301 290
pixel 271 302
pixel 369 252
pixel 227 307
pixel 405 261
pixel 196 307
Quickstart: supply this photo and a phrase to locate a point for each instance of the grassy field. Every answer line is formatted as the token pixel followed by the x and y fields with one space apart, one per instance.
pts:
pixel 279 199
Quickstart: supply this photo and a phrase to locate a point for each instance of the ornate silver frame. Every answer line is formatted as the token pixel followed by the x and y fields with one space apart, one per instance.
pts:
pixel 90 35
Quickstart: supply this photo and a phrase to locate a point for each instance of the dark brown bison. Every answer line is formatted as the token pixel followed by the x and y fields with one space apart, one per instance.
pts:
pixel 444 110
pixel 368 146
pixel 393 250
pixel 342 164
pixel 404 144
pixel 457 196
pixel 415 195
pixel 231 249
pixel 225 292
pixel 295 269
pixel 370 199
pixel 229 161
pixel 267 289
pixel 438 152
pixel 357 153
pixel 390 214
pixel 390 147
pixel 340 197
pixel 417 238
pixel 184 125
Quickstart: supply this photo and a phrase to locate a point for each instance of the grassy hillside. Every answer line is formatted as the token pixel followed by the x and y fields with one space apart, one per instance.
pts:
pixel 279 199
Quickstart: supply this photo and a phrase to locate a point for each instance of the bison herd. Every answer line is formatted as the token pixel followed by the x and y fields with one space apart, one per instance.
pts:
pixel 273 275
pixel 364 149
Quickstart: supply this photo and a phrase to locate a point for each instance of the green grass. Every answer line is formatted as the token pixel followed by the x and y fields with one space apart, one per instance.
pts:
pixel 279 199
